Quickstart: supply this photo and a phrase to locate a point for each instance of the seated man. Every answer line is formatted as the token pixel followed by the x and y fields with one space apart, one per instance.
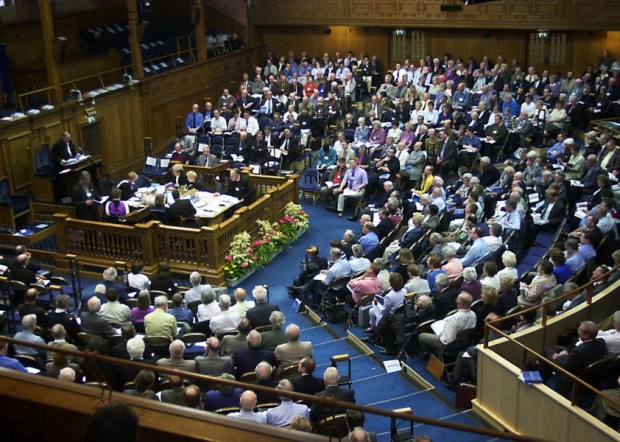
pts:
pixel 463 319
pixel 478 250
pixel 331 378
pixel 355 180
pixel 339 269
pixel 227 320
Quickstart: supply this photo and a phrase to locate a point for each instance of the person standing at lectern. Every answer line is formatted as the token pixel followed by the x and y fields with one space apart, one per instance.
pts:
pixel 63 150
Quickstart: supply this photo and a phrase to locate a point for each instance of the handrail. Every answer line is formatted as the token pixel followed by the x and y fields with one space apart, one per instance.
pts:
pixel 491 326
pixel 545 305
pixel 94 358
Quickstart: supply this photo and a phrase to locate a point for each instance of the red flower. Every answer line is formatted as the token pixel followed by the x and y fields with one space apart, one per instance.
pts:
pixel 229 258
pixel 244 265
pixel 250 250
pixel 295 221
pixel 281 221
pixel 254 258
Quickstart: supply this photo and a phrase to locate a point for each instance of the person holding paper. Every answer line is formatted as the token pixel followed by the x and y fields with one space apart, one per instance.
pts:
pixel 85 198
pixel 355 180
pixel 463 319
pixel 62 150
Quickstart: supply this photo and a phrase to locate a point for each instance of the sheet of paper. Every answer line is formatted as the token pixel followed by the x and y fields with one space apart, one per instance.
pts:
pixel 392 365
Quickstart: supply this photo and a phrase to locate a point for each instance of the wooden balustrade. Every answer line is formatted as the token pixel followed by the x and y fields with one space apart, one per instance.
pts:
pixel 99 245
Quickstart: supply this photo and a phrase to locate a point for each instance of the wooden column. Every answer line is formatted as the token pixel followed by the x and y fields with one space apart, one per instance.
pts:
pixel 201 40
pixel 134 40
pixel 49 43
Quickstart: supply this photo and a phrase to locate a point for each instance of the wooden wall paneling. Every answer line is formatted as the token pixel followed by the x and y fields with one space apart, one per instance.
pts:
pixel 15 153
pixel 377 43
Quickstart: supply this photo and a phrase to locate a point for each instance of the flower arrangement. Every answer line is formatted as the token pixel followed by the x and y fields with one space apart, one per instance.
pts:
pixel 294 221
pixel 245 254
pixel 240 257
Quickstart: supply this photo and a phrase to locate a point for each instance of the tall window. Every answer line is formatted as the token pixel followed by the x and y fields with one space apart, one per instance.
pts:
pixel 399 44
pixel 547 48
pixel 418 45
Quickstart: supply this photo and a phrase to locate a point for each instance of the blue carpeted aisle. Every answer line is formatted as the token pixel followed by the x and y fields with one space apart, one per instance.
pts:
pixel 372 384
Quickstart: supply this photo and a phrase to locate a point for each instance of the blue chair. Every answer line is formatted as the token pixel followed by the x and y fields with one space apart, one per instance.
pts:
pixel 13 207
pixel 310 184
pixel 217 140
pixel 349 134
pixel 151 168
pixel 216 149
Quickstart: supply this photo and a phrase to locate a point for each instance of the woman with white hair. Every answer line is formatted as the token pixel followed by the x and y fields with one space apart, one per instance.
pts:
pixel 509 259
pixel 471 284
pixel 362 132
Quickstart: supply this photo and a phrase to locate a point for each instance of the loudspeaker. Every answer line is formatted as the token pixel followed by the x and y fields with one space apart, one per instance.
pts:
pixel 61 48
pixel 327 31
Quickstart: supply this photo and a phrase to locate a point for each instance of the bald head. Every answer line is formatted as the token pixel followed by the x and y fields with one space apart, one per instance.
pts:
pixel 292 333
pixel 247 400
pixel 331 376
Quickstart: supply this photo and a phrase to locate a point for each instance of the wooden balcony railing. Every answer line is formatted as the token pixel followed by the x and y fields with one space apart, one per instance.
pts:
pixel 99 245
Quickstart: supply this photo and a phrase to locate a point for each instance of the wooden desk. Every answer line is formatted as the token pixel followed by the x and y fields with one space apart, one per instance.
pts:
pixel 70 176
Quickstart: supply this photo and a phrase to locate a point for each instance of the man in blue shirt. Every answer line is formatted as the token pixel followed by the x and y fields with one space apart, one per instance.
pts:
pixel 355 180
pixel 6 362
pixel 573 257
pixel 194 120
pixel 461 98
pixel 369 239
pixel 586 249
pixel 339 268
pixel 478 250
pixel 181 313
pixel 556 150
pixel 509 220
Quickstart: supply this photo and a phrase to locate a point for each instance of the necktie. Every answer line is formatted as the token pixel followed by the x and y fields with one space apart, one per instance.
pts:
pixel 286 145
pixel 69 150
pixel 268 106
pixel 351 179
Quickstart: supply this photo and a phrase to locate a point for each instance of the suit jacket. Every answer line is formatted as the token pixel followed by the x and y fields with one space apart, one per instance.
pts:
pixel 232 342
pixel 59 152
pixel 173 396
pixel 241 189
pixel 21 273
pixel 259 314
pixel 177 364
pixel 272 338
pixel 246 359
pixel 411 236
pixel 212 365
pixel 590 181
pixel 342 394
pixel 557 214
pixel 291 353
pixel 209 161
pixel 68 322
pixel 79 198
pixel 384 227
pixel 490 175
pixel 94 324
pixel 308 384
pixel 370 106
pixel 445 301
pixel 449 155
pixel 181 208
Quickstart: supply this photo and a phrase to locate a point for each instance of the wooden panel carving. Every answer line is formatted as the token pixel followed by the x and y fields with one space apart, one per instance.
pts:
pixel 518 14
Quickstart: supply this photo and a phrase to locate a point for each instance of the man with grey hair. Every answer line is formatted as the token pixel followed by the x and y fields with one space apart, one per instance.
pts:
pixel 67 374
pixel 282 415
pixel 241 304
pixel 245 360
pixel 259 314
pixel 176 361
pixel 490 174
pixel 99 293
pixel 29 323
pixel 331 378
pixel 445 296
pixel 227 320
pixel 212 364
pixel 61 316
pixel 348 241
pixel 232 342
pixel 195 292
pixel 384 274
pixel 109 280
pixel 59 334
pixel 293 351
pixel 135 349
pixel 463 319
pixel 247 402
pixel 159 322
pixel 94 324
pixel 276 336
pixel 357 262
pixel 339 269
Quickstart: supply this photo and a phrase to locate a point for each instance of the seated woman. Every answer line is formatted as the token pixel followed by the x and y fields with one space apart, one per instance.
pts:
pixel 489 298
pixel 163 281
pixel 209 307
pixel 195 182
pixel 136 278
pixel 509 259
pixel 175 177
pixel 471 284
pixel 561 270
pixel 362 133
pixel 144 308
pixel 531 294
pixel 507 298
pixel 489 275
pixel 115 209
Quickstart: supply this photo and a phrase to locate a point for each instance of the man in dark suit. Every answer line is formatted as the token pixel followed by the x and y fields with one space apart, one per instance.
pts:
pixel 61 316
pixel 29 307
pixel 552 212
pixel 20 272
pixel 574 358
pixel 447 158
pixel 212 364
pixel 331 378
pixel 94 324
pixel 385 225
pixel 307 383
pixel 180 209
pixel 241 188
pixel 120 350
pixel 490 174
pixel 62 150
pixel 85 198
pixel 259 314
pixel 289 145
pixel 445 297
pixel 246 359
pixel 314 265
pixel 207 159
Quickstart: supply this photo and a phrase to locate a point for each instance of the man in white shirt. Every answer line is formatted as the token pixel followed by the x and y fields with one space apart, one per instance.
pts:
pixel 218 123
pixel 227 320
pixel 241 306
pixel 251 124
pixel 494 240
pixel 247 402
pixel 612 337
pixel 463 319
